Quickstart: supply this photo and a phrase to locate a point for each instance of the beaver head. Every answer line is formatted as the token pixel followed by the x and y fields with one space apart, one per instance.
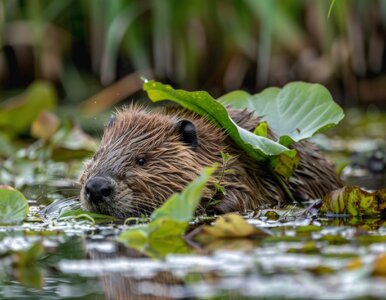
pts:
pixel 144 157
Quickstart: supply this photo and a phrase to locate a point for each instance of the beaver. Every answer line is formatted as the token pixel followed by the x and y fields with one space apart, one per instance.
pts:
pixel 146 156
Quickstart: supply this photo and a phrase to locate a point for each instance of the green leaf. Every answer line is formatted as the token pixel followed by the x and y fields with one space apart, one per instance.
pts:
pixel 203 104
pixel 170 220
pixel 181 207
pixel 136 235
pixel 225 156
pixel 165 227
pixel 159 244
pixel 17 114
pixel 296 112
pixel 261 129
pixel 285 163
pixel 330 8
pixel 13 206
pixel 354 201
pixel 70 142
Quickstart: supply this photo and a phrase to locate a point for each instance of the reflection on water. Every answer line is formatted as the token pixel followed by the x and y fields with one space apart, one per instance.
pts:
pixel 83 261
pixel 319 258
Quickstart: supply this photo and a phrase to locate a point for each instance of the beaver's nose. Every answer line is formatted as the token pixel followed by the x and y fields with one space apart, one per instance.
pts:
pixel 98 189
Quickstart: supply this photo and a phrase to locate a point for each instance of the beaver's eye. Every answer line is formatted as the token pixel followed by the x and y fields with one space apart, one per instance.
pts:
pixel 141 161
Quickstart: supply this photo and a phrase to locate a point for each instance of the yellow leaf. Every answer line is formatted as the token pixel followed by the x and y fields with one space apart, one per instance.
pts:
pixel 354 201
pixel 45 125
pixel 354 264
pixel 380 266
pixel 228 226
pixel 285 163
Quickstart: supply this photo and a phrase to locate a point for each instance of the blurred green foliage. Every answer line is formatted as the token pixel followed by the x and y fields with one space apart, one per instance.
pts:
pixel 35 144
pixel 55 54
pixel 13 206
pixel 16 115
pixel 83 45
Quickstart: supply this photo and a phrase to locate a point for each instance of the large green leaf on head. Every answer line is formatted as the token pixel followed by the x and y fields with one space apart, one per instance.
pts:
pixel 295 112
pixel 202 103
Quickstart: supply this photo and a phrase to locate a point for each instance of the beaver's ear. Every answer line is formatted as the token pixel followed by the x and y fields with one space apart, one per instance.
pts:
pixel 188 133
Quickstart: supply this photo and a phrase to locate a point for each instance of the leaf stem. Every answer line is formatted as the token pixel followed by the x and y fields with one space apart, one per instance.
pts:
pixel 330 9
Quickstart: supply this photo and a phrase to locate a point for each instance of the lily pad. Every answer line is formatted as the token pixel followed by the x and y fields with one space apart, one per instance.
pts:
pixel 13 206
pixel 295 112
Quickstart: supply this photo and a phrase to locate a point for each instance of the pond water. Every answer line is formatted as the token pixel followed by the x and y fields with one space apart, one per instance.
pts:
pixel 304 259
pixel 306 256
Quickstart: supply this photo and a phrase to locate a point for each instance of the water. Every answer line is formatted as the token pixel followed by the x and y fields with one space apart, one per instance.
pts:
pixel 306 257
pixel 81 260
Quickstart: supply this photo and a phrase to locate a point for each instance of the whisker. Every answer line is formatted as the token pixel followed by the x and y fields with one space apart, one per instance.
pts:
pixel 71 198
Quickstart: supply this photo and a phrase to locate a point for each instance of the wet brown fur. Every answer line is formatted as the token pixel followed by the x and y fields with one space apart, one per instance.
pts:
pixel 171 165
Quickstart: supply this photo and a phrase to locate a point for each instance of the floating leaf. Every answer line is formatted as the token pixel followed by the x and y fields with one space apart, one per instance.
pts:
pixel 202 103
pixel 171 220
pixel 285 213
pixel 371 239
pixel 334 239
pixel 13 206
pixel 354 201
pixel 294 113
pixel 309 247
pixel 227 226
pixel 272 215
pixel 284 239
pixel 304 230
pixel 380 266
pixel 354 264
